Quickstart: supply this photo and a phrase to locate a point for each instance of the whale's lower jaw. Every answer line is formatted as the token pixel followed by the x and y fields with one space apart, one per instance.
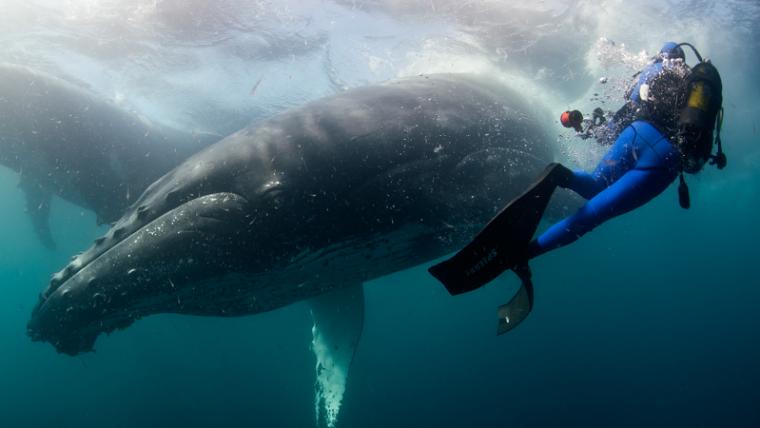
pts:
pixel 148 271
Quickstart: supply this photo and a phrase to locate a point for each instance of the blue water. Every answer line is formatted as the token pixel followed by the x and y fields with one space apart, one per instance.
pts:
pixel 651 320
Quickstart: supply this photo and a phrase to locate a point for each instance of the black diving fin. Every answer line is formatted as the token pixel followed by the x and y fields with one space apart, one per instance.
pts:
pixel 502 245
pixel 519 306
pixel 503 242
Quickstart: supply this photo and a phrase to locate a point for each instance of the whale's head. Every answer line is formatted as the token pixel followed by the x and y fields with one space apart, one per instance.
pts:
pixel 180 233
pixel 153 269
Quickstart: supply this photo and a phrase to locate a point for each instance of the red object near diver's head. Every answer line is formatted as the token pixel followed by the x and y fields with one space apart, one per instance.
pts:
pixel 572 119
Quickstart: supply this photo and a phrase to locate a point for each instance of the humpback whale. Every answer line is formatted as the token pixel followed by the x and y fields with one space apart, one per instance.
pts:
pixel 306 206
pixel 64 141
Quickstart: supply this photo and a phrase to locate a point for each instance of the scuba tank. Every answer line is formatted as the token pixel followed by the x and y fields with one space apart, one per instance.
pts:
pixel 698 120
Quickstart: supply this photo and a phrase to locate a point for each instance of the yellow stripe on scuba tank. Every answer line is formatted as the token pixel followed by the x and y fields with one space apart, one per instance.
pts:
pixel 698 97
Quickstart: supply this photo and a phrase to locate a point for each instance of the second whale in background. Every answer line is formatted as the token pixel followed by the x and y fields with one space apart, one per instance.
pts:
pixel 65 141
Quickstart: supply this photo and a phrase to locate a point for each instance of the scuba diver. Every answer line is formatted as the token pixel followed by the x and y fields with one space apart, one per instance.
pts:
pixel 669 129
pixel 670 56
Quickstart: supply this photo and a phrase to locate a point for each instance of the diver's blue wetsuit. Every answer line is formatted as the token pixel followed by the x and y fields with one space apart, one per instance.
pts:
pixel 639 166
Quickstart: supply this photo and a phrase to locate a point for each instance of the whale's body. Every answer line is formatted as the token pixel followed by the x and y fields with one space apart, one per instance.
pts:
pixel 306 205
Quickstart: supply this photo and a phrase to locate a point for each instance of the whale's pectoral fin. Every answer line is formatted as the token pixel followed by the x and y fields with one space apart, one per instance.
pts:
pixel 338 322
pixel 38 208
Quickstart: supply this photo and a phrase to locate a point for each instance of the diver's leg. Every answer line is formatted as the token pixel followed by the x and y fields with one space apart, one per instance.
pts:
pixel 631 191
pixel 586 184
